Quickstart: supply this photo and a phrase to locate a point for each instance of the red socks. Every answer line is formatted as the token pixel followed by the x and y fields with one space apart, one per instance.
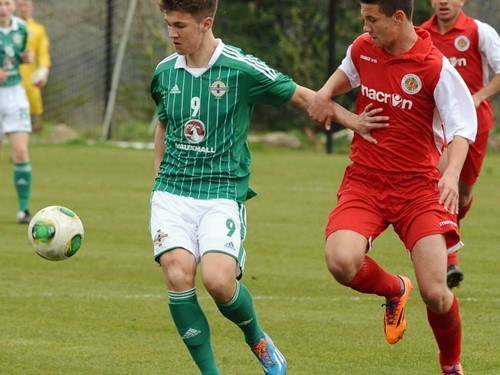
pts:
pixel 373 279
pixel 447 329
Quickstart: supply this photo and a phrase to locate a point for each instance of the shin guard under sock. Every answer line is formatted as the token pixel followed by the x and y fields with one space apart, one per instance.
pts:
pixel 193 328
pixel 241 311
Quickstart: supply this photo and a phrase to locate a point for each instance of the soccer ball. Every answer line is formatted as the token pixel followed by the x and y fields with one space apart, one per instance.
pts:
pixel 55 232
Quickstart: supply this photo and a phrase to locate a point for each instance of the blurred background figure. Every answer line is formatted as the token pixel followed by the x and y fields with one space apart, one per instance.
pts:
pixel 15 121
pixel 36 74
pixel 473 48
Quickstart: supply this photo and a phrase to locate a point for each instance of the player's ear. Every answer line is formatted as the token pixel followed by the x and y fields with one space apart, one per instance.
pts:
pixel 207 24
pixel 399 17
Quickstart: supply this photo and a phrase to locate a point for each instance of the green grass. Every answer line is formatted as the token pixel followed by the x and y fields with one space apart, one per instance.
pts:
pixel 105 310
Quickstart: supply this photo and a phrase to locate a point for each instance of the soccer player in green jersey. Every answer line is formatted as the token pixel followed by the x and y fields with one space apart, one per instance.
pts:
pixel 14 106
pixel 205 94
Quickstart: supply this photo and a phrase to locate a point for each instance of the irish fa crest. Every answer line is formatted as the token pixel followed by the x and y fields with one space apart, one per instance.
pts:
pixel 218 89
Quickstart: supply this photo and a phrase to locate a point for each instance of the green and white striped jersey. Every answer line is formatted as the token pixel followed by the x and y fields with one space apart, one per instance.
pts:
pixel 12 46
pixel 208 113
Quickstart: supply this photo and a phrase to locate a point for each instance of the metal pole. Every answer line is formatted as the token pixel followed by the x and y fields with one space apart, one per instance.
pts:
pixel 331 63
pixel 120 56
pixel 109 48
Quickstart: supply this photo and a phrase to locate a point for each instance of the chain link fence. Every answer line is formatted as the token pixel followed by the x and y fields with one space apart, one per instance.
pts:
pixel 85 36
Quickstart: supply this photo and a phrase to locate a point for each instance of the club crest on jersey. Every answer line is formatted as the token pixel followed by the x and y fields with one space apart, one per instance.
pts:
pixel 194 131
pixel 159 237
pixel 411 84
pixel 9 51
pixel 462 43
pixel 17 38
pixel 218 89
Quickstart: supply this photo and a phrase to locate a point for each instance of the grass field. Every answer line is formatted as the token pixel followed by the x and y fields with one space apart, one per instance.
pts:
pixel 105 310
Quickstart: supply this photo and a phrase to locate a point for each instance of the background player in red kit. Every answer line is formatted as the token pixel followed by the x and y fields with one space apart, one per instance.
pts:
pixel 396 181
pixel 472 48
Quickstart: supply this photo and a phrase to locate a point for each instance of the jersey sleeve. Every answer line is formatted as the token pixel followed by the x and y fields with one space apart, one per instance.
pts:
pixel 489 45
pixel 455 105
pixel 43 49
pixel 348 67
pixel 269 86
pixel 156 94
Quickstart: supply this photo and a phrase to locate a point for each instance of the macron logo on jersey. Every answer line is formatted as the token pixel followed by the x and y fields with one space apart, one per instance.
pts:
pixel 458 61
pixel 368 58
pixel 392 99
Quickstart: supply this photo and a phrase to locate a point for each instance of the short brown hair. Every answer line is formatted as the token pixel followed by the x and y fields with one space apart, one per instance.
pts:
pixel 198 8
pixel 389 7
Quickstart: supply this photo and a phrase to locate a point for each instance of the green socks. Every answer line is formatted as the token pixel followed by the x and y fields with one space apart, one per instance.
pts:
pixel 22 183
pixel 241 311
pixel 193 328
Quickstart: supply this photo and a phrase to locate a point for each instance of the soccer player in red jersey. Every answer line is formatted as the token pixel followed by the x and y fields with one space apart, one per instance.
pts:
pixel 396 181
pixel 472 47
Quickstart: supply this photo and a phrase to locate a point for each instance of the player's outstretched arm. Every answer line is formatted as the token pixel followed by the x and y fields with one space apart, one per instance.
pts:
pixel 329 111
pixel 324 110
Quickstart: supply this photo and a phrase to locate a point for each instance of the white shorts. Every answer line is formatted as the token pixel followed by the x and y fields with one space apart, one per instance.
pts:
pixel 198 225
pixel 14 110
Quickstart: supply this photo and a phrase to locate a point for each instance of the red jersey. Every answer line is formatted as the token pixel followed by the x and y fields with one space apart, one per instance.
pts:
pixel 472 47
pixel 425 98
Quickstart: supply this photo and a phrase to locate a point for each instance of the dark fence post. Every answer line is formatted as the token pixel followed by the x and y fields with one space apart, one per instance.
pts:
pixel 109 48
pixel 331 63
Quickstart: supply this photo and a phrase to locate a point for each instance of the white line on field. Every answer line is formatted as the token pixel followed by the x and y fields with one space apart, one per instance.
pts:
pixel 206 297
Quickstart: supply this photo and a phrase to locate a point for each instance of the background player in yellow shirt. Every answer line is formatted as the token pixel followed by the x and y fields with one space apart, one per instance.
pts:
pixel 34 75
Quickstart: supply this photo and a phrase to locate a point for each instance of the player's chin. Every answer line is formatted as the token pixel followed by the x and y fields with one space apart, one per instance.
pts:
pixel 178 48
pixel 377 42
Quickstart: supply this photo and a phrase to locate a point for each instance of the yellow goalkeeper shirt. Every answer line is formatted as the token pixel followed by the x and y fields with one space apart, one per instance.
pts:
pixel 38 42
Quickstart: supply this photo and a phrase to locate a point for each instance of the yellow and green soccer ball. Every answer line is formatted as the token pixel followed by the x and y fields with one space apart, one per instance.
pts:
pixel 55 233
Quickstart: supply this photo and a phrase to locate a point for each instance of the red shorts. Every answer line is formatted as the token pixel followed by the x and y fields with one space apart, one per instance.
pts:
pixel 368 202
pixel 475 158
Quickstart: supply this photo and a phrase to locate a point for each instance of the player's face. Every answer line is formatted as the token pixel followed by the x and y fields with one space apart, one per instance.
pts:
pixel 7 8
pixel 185 31
pixel 447 10
pixel 24 8
pixel 382 28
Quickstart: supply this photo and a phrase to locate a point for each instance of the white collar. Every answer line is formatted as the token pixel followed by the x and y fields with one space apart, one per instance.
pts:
pixel 181 61
pixel 13 27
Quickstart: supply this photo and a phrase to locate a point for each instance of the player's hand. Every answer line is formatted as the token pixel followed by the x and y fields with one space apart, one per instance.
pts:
pixel 320 109
pixel 448 189
pixel 3 75
pixel 369 120
pixel 28 57
pixel 40 77
pixel 477 100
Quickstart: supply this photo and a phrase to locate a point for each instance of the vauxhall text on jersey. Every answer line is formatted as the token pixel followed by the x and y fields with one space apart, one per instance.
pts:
pixel 207 113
